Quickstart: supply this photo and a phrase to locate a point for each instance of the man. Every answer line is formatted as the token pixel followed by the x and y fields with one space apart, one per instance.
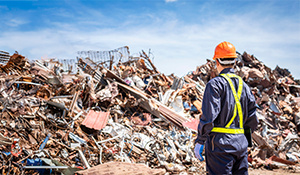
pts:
pixel 228 109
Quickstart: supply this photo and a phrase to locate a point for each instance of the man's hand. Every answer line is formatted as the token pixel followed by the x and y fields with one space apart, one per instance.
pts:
pixel 198 151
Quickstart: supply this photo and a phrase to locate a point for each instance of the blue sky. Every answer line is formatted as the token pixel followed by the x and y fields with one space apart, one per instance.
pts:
pixel 181 34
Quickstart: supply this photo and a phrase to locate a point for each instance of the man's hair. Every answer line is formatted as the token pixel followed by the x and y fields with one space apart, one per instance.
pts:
pixel 226 62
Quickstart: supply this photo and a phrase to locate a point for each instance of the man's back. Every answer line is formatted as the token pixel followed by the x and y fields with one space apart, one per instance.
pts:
pixel 228 107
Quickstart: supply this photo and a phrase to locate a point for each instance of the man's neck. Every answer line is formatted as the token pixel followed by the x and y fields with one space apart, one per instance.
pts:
pixel 221 68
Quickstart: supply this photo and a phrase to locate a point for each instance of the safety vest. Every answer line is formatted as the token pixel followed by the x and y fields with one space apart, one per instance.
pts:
pixel 237 108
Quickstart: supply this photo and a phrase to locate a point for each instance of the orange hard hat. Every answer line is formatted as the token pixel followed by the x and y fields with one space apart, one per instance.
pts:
pixel 225 50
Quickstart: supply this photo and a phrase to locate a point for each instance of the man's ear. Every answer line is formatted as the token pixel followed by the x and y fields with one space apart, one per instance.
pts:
pixel 217 62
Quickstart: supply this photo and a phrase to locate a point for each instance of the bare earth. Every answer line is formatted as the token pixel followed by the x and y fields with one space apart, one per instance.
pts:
pixel 273 172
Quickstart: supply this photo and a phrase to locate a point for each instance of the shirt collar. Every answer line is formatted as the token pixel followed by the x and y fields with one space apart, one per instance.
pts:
pixel 227 70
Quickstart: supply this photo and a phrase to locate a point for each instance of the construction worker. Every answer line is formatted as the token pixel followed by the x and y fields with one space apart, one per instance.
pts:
pixel 229 110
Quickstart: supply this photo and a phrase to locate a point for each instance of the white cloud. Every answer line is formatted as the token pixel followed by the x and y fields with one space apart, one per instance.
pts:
pixel 16 22
pixel 177 47
pixel 170 1
pixel 3 7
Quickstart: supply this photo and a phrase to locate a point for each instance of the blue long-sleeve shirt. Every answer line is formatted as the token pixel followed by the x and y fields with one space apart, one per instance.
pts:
pixel 218 106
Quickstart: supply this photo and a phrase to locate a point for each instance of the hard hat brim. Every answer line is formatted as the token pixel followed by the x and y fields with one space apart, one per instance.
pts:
pixel 229 56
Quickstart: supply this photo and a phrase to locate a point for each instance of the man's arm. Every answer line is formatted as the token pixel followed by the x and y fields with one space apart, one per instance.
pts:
pixel 211 106
pixel 251 121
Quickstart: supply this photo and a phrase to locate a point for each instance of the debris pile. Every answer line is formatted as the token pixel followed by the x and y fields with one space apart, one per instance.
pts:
pixel 105 110
pixel 55 120
pixel 277 94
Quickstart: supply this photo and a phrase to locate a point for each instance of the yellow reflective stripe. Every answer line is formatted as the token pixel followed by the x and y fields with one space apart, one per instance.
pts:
pixel 228 130
pixel 237 107
pixel 240 88
pixel 240 112
pixel 237 100
pixel 239 104
pixel 232 118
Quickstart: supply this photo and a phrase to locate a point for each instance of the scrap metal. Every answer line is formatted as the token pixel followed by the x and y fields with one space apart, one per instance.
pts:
pixel 107 111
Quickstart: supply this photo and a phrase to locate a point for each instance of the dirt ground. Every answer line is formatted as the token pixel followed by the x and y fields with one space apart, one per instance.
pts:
pixel 276 170
pixel 273 172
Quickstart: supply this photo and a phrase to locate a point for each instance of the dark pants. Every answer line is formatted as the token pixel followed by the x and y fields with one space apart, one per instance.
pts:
pixel 226 154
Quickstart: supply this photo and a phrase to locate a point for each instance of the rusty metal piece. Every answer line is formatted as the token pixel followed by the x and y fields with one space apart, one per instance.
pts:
pixel 138 121
pixel 86 163
pixel 4 57
pixel 5 140
pixel 74 101
pixel 142 141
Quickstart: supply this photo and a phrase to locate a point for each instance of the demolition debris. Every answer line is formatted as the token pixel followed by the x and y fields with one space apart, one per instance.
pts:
pixel 111 112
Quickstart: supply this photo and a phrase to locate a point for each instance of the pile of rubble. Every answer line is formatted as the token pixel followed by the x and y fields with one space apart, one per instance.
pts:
pixel 121 114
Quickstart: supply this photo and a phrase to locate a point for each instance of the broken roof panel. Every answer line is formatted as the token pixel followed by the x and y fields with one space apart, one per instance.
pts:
pixel 96 120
